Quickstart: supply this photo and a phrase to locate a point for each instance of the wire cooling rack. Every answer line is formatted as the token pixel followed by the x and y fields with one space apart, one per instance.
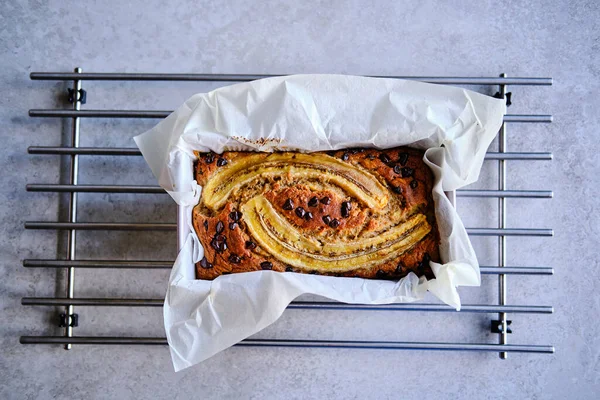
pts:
pixel 500 325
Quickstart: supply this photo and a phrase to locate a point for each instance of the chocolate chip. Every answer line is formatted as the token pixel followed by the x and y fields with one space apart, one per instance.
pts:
pixel 399 268
pixel 314 272
pixel 220 227
pixel 219 243
pixel 406 172
pixel 396 189
pixel 289 269
pixel 266 265
pixel 221 162
pixel 334 223
pixel 205 264
pixel 325 200
pixel 233 225
pixel 288 205
pixel 421 269
pixel 371 157
pixel 346 206
pixel 426 259
pixel 381 274
pixel 205 225
pixel 385 158
pixel 308 216
pixel 235 215
pixel 327 219
pixel 414 184
pixel 345 157
pixel 235 259
pixel 313 202
pixel 250 245
pixel 210 157
pixel 226 273
pixel 300 212
pixel 403 159
pixel 397 169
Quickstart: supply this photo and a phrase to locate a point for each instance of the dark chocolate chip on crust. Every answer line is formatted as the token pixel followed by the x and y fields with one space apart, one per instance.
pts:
pixel 423 264
pixel 233 225
pixel 210 157
pixel 220 227
pixel 325 200
pixel 381 274
pixel 205 264
pixel 346 206
pixel 345 157
pixel 206 225
pixel 406 172
pixel 308 216
pixel 327 219
pixel 266 265
pixel 426 259
pixel 397 189
pixel 288 205
pixel 399 268
pixel 289 269
pixel 250 245
pixel 334 223
pixel 414 184
pixel 235 259
pixel 300 212
pixel 313 202
pixel 235 215
pixel 403 158
pixel 219 243
pixel 221 162
pixel 385 158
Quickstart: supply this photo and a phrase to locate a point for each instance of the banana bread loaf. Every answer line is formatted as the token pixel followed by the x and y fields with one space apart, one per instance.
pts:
pixel 355 212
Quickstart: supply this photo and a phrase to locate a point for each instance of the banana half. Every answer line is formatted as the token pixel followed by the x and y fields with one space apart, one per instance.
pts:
pixel 284 242
pixel 356 182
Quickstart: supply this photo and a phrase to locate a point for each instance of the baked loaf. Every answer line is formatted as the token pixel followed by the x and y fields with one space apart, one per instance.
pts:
pixel 355 212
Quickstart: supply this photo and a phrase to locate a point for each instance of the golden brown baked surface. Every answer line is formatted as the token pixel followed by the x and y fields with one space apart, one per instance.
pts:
pixel 354 212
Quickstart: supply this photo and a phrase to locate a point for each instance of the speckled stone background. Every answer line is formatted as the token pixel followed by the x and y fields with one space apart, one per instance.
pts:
pixel 534 38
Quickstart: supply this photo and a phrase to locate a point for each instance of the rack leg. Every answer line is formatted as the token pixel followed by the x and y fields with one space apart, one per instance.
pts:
pixel 502 224
pixel 73 179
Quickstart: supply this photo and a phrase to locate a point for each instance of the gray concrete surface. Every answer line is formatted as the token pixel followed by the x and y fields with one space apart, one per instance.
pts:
pixel 535 38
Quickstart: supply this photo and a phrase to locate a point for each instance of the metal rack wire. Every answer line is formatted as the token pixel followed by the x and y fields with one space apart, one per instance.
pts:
pixel 70 263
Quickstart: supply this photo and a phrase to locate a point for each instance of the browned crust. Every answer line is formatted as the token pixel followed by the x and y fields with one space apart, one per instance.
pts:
pixel 415 197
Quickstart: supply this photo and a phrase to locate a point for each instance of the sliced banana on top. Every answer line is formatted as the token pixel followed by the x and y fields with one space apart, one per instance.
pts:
pixel 356 182
pixel 283 241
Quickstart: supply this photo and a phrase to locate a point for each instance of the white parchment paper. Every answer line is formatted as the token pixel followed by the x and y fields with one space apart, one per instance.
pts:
pixel 313 113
